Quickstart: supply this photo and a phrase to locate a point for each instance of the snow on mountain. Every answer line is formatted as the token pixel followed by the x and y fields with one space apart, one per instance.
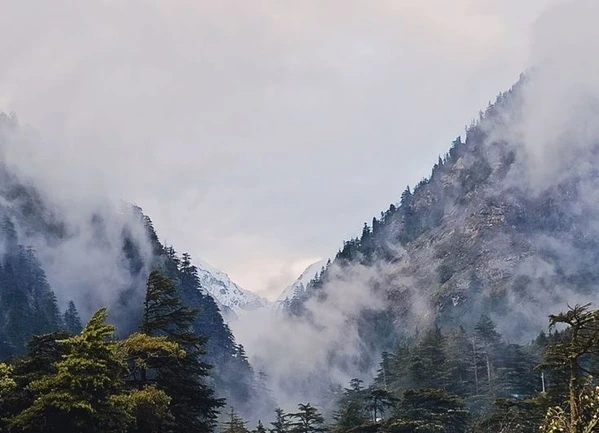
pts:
pixel 299 286
pixel 226 293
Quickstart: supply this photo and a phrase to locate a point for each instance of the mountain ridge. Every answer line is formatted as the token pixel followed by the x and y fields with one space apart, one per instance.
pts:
pixel 479 236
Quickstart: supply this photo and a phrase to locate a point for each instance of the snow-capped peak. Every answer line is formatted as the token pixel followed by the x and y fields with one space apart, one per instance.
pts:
pixel 218 284
pixel 300 285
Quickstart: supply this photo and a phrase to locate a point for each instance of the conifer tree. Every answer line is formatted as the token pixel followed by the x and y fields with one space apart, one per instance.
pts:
pixel 352 411
pixel 82 394
pixel 234 424
pixel 490 339
pixel 281 423
pixel 259 428
pixel 306 420
pixel 458 364
pixel 193 404
pixel 431 410
pixel 71 318
pixel 580 340
pixel 43 352
pixel 146 355
pixel 431 354
pixel 378 400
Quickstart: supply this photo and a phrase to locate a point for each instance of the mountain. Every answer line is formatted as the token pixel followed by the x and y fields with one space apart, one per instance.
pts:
pixel 95 254
pixel 224 291
pixel 491 231
pixel 299 286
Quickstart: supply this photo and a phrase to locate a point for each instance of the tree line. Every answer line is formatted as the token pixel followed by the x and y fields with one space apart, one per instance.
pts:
pixel 474 381
pixel 152 381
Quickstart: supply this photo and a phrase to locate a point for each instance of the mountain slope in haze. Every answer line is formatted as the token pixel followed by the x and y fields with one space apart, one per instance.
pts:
pixel 96 254
pixel 487 233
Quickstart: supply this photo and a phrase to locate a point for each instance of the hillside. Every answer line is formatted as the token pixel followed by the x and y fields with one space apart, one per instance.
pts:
pixel 484 234
pixel 98 255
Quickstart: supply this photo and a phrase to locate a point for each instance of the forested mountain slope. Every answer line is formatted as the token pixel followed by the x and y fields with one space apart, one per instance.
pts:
pixel 486 233
pixel 95 256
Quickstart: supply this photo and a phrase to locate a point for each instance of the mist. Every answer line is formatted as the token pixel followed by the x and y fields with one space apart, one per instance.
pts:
pixel 77 232
pixel 212 116
pixel 552 125
pixel 181 118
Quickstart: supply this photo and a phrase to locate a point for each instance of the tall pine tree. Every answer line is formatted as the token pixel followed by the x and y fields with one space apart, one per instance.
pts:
pixel 194 406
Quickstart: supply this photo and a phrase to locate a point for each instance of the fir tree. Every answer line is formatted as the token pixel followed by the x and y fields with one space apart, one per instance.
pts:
pixel 281 423
pixel 378 400
pixel 580 340
pixel 431 410
pixel 489 342
pixel 234 424
pixel 352 410
pixel 458 364
pixel 71 318
pixel 193 405
pixel 82 394
pixel 259 428
pixel 306 420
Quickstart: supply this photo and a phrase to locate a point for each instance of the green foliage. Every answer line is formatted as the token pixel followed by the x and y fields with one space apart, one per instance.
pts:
pixel 352 407
pixel 234 424
pixel 91 383
pixel 377 401
pixel 193 404
pixel 71 319
pixel 82 393
pixel 570 356
pixel 431 410
pixel 147 354
pixel 7 382
pixel 281 423
pixel 259 428
pixel 515 416
pixel 306 420
pixel 27 303
pixel 148 408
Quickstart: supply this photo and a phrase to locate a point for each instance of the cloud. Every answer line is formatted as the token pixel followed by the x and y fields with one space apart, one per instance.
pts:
pixel 285 122
pixel 304 356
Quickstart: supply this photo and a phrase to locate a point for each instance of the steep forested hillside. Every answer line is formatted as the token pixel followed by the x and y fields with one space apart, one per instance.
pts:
pixel 119 248
pixel 484 234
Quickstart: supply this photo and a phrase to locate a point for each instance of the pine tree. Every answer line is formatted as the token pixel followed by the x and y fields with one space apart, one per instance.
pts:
pixel 459 372
pixel 193 405
pixel 234 424
pixel 431 354
pixel 490 344
pixel 281 423
pixel 43 352
pixel 386 376
pixel 8 386
pixel 259 428
pixel 82 394
pixel 352 411
pixel 378 400
pixel 580 340
pixel 431 410
pixel 146 355
pixel 71 319
pixel 306 420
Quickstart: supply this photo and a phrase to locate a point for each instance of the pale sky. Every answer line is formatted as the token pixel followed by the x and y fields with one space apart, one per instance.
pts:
pixel 256 134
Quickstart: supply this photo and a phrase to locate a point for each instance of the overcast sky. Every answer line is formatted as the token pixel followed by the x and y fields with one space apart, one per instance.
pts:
pixel 256 134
